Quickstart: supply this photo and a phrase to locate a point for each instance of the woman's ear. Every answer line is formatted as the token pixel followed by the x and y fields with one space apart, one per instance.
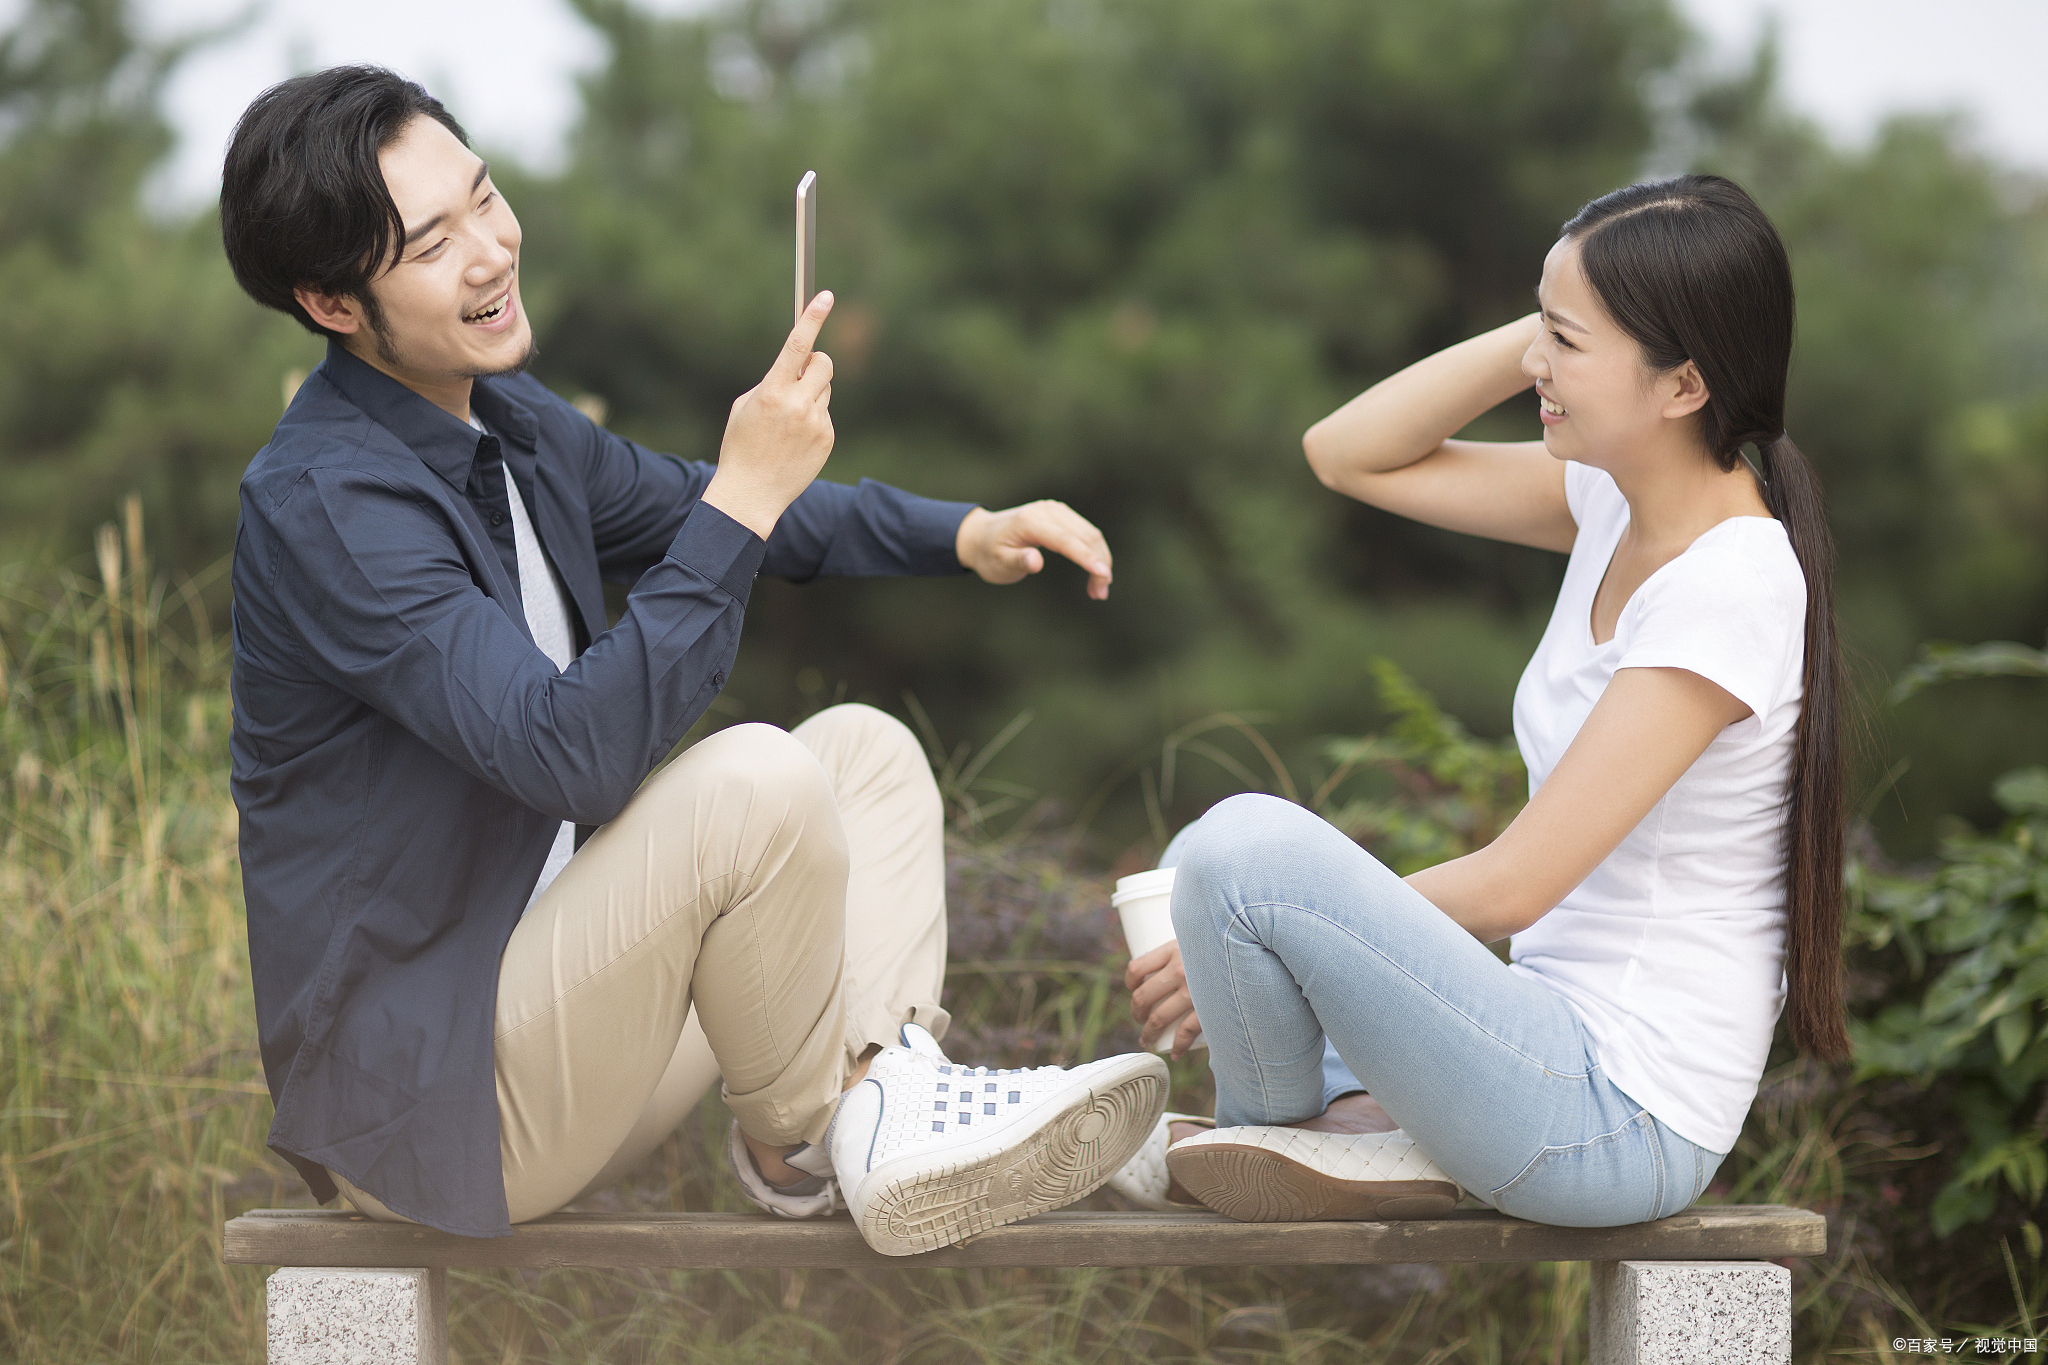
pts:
pixel 336 312
pixel 1685 391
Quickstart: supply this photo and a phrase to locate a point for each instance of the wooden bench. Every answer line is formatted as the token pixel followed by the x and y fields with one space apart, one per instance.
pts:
pixel 1698 1286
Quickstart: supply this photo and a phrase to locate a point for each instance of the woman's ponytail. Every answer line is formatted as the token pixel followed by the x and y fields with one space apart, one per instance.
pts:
pixel 1813 831
pixel 1692 269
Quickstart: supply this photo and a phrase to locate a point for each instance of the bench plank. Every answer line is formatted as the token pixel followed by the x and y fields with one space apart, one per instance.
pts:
pixel 732 1241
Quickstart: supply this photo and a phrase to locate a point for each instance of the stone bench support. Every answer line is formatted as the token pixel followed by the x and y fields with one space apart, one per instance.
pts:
pixel 1681 1312
pixel 1696 1287
pixel 332 1316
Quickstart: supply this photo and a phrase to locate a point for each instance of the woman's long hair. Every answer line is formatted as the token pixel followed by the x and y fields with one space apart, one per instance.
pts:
pixel 1693 270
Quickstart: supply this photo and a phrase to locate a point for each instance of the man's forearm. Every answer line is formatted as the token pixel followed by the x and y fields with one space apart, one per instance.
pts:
pixel 870 530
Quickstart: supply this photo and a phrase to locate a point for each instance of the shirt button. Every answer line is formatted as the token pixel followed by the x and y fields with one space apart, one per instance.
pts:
pixel 718 679
pixel 497 518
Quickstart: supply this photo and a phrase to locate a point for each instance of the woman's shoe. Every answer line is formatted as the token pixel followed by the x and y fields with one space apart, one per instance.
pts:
pixel 1292 1175
pixel 1145 1181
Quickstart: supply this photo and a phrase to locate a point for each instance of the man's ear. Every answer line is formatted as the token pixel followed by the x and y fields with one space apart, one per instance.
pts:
pixel 1685 391
pixel 336 312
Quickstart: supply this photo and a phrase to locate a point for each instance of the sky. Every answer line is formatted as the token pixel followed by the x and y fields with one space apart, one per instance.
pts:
pixel 507 68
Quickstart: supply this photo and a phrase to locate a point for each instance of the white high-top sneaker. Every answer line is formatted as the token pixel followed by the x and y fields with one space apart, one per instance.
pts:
pixel 929 1153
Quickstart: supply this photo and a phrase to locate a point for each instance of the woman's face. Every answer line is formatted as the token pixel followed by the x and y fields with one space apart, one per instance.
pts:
pixel 1598 401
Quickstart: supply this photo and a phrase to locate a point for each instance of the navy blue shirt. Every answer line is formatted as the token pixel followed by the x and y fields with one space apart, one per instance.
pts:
pixel 404 752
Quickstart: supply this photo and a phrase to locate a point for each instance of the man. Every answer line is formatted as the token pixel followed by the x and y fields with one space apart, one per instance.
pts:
pixel 477 939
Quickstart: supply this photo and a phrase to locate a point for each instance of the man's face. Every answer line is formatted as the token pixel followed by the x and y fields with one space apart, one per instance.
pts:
pixel 449 309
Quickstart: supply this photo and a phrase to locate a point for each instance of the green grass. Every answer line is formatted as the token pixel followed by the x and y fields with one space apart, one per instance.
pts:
pixel 132 1110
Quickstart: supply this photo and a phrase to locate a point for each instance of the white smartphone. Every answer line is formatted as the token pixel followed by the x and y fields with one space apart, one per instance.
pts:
pixel 806 242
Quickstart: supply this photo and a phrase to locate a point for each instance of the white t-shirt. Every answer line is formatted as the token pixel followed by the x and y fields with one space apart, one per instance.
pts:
pixel 547 616
pixel 1672 950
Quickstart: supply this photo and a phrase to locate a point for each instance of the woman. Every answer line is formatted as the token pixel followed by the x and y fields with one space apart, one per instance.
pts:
pixel 1675 880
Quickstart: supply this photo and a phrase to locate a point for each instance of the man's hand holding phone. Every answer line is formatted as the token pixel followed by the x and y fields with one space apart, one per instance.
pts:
pixel 780 431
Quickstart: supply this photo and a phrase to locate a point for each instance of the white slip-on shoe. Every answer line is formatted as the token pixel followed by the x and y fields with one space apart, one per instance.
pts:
pixel 1144 1180
pixel 1291 1175
pixel 929 1153
pixel 816 1196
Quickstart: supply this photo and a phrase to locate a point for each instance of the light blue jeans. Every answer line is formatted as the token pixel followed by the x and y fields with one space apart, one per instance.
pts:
pixel 1316 971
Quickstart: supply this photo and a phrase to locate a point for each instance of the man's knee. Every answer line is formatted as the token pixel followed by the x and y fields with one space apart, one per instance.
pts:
pixel 748 787
pixel 868 750
pixel 744 761
pixel 865 728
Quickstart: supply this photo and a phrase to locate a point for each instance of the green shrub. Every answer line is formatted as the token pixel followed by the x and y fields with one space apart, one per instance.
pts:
pixel 1961 950
pixel 1444 792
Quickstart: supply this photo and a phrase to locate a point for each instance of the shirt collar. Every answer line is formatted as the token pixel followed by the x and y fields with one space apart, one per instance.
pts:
pixel 444 443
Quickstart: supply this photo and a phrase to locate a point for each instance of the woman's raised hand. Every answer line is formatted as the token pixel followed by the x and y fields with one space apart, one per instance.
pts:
pixel 1393 446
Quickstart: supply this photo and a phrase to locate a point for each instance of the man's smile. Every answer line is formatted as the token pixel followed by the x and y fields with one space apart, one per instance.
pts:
pixel 498 309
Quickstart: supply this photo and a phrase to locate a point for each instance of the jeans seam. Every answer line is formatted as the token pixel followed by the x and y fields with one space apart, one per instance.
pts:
pixel 1604 1139
pixel 1237 1004
pixel 1239 914
pixel 1660 1170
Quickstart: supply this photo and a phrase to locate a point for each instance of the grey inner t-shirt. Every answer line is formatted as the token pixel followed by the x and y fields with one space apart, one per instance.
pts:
pixel 546 604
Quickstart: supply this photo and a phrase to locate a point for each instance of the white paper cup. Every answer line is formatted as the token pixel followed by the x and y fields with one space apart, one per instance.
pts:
pixel 1144 902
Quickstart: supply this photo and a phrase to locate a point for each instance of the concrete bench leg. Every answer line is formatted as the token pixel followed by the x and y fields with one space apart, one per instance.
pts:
pixel 1681 1312
pixel 358 1317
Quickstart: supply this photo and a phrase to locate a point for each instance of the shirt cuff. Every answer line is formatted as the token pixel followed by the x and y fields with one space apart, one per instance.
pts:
pixel 714 546
pixel 932 531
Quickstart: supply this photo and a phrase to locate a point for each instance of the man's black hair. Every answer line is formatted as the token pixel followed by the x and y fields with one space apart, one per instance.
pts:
pixel 302 198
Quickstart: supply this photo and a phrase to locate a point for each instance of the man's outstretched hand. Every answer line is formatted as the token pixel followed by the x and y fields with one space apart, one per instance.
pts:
pixel 1003 547
pixel 780 431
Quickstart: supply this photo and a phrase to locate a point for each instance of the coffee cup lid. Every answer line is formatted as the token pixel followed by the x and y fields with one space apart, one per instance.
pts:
pixel 1156 882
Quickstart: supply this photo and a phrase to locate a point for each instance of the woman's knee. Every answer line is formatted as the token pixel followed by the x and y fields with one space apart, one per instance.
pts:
pixel 1249 831
pixel 1254 847
pixel 1235 837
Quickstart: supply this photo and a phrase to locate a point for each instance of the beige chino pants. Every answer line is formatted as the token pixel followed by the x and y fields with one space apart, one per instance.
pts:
pixel 766 908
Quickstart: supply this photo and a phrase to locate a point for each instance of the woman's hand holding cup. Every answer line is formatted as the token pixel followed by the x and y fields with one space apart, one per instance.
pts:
pixel 1158 986
pixel 1159 996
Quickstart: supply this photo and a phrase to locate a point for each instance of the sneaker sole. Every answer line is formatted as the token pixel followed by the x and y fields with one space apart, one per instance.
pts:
pixel 1069 1155
pixel 1254 1185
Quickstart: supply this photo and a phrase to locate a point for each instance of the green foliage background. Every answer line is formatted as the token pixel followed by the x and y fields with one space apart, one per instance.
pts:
pixel 1120 253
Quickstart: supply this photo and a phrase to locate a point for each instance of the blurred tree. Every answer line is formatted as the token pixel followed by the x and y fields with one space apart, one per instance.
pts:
pixel 78 101
pixel 131 360
pixel 1121 254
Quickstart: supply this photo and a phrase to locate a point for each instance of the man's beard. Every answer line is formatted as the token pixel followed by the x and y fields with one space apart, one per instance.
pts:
pixel 532 350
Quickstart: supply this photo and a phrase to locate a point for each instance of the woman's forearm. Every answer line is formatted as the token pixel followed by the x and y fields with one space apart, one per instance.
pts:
pixel 1410 413
pixel 1479 895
